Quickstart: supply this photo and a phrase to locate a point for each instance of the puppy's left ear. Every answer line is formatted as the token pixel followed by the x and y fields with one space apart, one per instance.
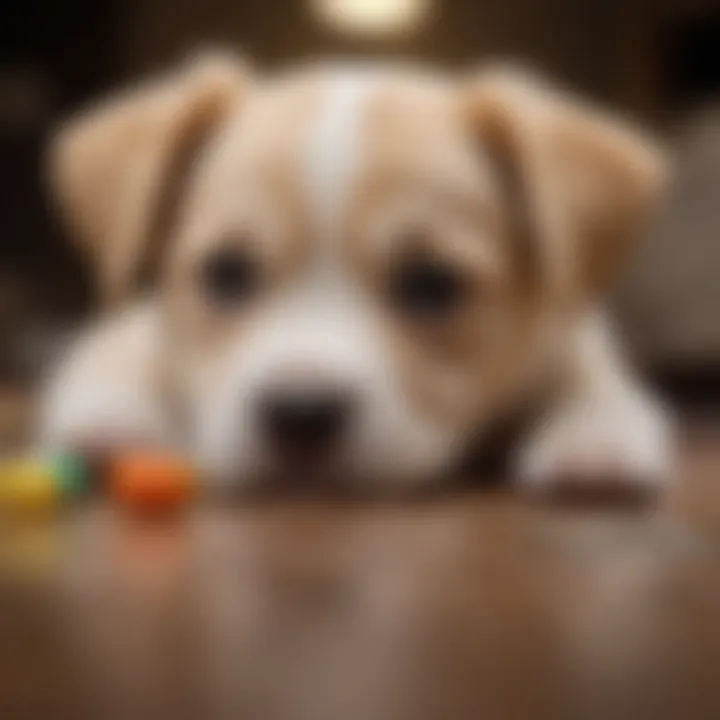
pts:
pixel 118 171
pixel 583 181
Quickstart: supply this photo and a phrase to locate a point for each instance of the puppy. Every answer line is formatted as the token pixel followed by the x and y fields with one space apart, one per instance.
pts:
pixel 349 272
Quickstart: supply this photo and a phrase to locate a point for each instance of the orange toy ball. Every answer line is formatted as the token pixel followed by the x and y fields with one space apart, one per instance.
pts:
pixel 146 481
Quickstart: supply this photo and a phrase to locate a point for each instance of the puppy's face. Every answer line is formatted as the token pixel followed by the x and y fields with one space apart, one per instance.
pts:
pixel 342 299
pixel 357 274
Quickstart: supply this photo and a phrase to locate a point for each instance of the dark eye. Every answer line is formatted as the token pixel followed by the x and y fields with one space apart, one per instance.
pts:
pixel 229 276
pixel 427 289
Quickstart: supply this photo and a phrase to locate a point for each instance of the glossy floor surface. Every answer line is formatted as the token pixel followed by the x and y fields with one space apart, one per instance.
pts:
pixel 470 605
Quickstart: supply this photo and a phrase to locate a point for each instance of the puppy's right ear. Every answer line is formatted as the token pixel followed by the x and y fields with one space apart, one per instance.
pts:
pixel 118 171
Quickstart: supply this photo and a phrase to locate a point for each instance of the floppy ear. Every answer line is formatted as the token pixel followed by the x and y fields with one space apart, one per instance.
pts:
pixel 585 180
pixel 117 171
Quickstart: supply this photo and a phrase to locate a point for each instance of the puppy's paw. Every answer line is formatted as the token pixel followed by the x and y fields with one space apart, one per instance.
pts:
pixel 104 393
pixel 98 420
pixel 607 452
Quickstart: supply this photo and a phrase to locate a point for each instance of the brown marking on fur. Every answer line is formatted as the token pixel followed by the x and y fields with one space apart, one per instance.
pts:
pixel 588 181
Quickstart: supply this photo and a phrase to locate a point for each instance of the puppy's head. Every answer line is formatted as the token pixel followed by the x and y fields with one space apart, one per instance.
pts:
pixel 356 268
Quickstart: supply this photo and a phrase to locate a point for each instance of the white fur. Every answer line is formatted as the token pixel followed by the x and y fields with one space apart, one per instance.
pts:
pixel 606 426
pixel 334 148
pixel 104 392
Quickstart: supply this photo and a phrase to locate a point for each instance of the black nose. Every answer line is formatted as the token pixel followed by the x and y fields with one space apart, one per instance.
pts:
pixel 307 421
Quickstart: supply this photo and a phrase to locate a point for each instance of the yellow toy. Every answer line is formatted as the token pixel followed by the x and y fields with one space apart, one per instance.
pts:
pixel 30 485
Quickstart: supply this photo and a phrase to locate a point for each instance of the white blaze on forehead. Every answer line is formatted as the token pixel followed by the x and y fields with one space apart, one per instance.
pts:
pixel 335 146
pixel 321 322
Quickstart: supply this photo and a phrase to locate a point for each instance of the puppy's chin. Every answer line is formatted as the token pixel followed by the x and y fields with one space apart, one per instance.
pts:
pixel 331 475
pixel 389 451
pixel 304 470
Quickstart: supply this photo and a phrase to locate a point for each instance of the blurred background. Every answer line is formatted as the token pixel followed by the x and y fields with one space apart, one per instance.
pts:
pixel 464 607
pixel 657 60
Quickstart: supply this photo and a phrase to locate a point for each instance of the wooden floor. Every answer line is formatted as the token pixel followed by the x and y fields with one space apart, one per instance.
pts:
pixel 466 606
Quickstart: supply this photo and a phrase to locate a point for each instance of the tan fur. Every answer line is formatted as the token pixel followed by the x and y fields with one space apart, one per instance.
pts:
pixel 533 196
pixel 589 179
pixel 244 194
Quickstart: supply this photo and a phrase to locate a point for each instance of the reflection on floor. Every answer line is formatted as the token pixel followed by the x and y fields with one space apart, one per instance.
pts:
pixel 465 606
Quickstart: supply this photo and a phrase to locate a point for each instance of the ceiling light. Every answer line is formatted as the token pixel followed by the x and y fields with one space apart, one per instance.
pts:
pixel 372 17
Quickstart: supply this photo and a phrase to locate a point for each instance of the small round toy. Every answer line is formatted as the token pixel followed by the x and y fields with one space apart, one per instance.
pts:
pixel 71 474
pixel 27 484
pixel 151 481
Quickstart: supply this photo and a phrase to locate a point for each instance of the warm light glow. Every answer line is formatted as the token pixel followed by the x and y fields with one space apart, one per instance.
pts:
pixel 372 17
